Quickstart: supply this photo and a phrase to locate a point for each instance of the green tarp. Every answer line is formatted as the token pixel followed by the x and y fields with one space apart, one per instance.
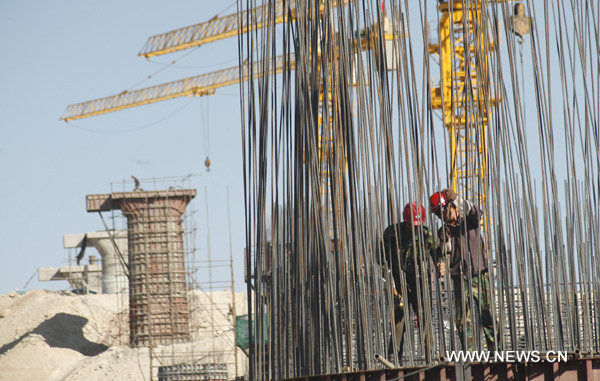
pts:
pixel 242 339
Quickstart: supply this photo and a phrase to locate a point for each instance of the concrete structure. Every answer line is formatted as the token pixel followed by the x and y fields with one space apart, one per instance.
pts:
pixel 158 307
pixel 112 246
pixel 84 278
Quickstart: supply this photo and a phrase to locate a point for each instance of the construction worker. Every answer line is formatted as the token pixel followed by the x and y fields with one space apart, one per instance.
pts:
pixel 404 246
pixel 461 241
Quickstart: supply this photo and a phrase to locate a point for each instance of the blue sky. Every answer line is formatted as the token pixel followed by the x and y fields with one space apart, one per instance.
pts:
pixel 64 52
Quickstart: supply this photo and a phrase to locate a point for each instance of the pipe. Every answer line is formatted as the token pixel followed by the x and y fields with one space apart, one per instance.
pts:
pixel 385 362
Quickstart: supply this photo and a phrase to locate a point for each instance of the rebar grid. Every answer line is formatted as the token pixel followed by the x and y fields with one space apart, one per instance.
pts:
pixel 322 297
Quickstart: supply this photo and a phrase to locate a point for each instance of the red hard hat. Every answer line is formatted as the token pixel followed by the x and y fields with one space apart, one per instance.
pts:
pixel 414 213
pixel 437 201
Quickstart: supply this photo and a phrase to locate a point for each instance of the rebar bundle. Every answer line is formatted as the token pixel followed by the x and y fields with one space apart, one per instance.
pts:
pixel 335 146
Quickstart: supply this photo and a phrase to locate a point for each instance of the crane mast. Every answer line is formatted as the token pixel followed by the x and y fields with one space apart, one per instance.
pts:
pixel 465 95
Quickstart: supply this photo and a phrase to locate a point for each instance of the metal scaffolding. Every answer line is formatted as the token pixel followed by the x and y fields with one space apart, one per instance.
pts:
pixel 181 305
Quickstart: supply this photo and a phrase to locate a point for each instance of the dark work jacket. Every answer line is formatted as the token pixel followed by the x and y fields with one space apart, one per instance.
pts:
pixel 467 245
pixel 400 251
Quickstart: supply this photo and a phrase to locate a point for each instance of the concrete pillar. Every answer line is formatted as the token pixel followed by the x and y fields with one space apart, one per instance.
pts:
pixel 158 308
pixel 114 276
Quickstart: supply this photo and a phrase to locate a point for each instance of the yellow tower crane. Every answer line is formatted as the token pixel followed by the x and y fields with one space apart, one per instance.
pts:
pixel 184 38
pixel 465 94
pixel 217 28
pixel 206 84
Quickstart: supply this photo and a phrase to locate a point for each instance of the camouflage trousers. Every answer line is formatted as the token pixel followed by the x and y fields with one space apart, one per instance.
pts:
pixel 401 320
pixel 477 293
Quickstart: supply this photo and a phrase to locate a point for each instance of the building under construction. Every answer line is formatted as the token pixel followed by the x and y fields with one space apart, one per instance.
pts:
pixel 178 306
pixel 176 301
pixel 351 110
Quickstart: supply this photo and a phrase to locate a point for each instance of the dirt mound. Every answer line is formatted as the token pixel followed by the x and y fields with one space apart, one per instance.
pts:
pixel 47 335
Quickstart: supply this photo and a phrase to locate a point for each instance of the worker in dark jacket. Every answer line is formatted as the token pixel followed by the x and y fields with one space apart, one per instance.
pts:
pixel 462 242
pixel 406 244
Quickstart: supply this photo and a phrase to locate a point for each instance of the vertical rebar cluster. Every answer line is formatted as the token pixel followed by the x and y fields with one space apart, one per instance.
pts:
pixel 321 295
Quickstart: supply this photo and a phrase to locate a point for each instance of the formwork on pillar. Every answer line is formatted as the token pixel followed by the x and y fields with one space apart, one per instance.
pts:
pixel 158 307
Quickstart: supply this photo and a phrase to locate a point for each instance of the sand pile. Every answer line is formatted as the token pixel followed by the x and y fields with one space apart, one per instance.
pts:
pixel 47 335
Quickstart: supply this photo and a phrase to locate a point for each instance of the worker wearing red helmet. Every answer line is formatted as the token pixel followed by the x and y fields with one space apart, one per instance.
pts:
pixel 462 242
pixel 405 246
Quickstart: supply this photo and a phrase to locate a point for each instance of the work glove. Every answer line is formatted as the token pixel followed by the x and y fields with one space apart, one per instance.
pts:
pixel 441 265
pixel 398 300
pixel 450 194
pixel 462 205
